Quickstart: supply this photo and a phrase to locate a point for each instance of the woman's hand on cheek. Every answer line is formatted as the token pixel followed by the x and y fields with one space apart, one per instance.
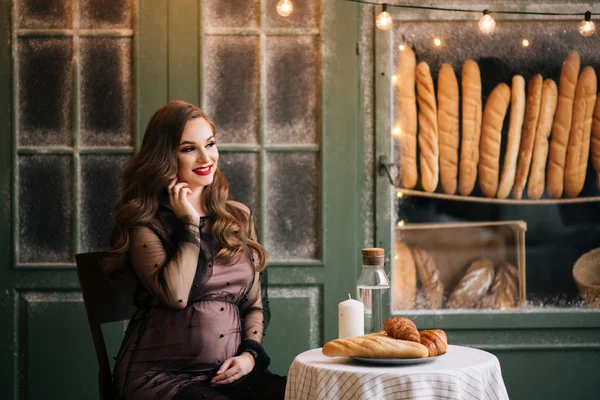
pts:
pixel 233 369
pixel 178 199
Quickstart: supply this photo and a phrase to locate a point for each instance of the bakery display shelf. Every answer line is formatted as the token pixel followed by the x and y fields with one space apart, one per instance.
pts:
pixel 475 199
pixel 447 251
pixel 544 317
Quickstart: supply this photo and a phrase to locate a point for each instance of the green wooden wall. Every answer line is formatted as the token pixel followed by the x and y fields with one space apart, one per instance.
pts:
pixel 46 347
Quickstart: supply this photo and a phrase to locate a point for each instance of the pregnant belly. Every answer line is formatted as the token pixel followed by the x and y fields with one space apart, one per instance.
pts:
pixel 205 333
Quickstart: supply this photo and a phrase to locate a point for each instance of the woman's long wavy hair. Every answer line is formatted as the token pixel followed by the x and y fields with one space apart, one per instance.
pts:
pixel 145 180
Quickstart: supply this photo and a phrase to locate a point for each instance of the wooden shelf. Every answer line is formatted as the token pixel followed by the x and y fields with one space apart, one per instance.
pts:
pixel 474 199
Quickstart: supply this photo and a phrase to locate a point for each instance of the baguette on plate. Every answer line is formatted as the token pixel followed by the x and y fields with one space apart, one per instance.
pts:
pixel 374 346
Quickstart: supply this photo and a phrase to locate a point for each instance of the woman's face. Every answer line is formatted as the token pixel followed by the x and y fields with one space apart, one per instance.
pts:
pixel 197 155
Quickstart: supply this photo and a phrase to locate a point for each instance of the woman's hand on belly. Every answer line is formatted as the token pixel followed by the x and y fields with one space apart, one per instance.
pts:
pixel 233 369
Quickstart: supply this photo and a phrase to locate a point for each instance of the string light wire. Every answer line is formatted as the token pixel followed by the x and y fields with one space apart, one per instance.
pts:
pixel 465 10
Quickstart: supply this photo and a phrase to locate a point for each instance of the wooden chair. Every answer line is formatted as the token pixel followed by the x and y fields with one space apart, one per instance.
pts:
pixel 104 302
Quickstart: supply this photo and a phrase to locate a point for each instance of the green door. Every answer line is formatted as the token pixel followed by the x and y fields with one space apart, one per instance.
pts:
pixel 79 81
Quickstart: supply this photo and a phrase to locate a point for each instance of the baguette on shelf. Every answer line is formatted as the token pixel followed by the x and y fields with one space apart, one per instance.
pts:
pixel 551 132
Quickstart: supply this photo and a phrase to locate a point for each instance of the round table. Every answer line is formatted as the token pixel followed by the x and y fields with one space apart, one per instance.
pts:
pixel 461 373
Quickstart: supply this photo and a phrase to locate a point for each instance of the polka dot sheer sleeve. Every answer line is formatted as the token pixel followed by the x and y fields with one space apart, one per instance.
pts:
pixel 169 279
pixel 256 314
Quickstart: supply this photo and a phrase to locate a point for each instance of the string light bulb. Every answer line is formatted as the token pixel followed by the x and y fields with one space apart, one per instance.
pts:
pixel 437 42
pixel 284 8
pixel 525 42
pixel 587 27
pixel 384 19
pixel 486 23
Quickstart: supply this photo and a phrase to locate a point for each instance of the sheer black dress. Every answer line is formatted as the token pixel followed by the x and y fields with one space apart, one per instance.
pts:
pixel 173 347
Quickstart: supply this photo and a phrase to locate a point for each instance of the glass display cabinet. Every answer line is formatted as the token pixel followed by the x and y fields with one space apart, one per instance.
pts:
pixel 479 244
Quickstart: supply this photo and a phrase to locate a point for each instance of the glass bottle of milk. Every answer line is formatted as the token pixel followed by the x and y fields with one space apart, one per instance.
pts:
pixel 373 289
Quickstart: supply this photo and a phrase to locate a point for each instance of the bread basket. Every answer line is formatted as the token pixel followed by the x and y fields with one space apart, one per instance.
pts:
pixel 586 273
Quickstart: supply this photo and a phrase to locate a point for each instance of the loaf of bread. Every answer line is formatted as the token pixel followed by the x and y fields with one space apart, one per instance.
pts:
pixel 374 346
pixel 595 142
pixel 511 274
pixel 401 328
pixel 562 125
pixel 435 340
pixel 579 137
pixel 532 113
pixel 406 112
pixel 471 127
pixel 491 137
pixel 428 129
pixel 504 292
pixel 430 278
pixel 535 185
pixel 448 102
pixel 473 286
pixel 517 113
pixel 404 274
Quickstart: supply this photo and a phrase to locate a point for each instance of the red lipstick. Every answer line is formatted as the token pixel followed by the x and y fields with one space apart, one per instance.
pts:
pixel 203 171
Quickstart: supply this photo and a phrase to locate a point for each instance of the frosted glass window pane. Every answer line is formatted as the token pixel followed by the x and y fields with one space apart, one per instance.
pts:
pixel 100 190
pixel 306 14
pixel 45 208
pixel 46 14
pixel 232 13
pixel 231 84
pixel 106 14
pixel 293 90
pixel 45 68
pixel 106 92
pixel 241 171
pixel 293 201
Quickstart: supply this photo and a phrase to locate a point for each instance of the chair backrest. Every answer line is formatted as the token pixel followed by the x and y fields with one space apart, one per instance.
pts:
pixel 105 302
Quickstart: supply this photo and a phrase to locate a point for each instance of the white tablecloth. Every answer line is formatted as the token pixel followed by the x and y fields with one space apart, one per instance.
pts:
pixel 461 373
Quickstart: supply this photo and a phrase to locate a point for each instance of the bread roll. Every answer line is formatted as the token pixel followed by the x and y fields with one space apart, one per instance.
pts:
pixel 406 112
pixel 435 340
pixel 404 282
pixel 517 113
pixel 473 285
pixel 562 125
pixel 532 113
pixel 448 127
pixel 512 277
pixel 401 328
pixel 491 137
pixel 430 278
pixel 374 346
pixel 579 137
pixel 428 129
pixel 471 127
pixel 596 141
pixel 504 291
pixel 535 186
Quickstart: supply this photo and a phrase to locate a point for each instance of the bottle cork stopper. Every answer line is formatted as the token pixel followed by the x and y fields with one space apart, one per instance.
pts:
pixel 373 252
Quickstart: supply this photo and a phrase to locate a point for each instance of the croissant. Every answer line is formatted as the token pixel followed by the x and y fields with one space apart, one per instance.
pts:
pixel 435 340
pixel 402 328
pixel 374 346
